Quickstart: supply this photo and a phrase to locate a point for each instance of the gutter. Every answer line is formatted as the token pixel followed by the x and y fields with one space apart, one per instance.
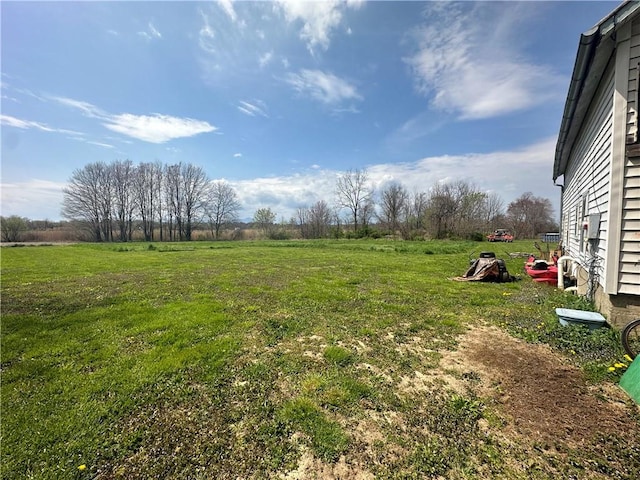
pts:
pixel 587 47
pixel 586 51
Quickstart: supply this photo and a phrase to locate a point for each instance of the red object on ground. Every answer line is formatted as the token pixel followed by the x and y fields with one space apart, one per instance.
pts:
pixel 541 271
pixel 500 235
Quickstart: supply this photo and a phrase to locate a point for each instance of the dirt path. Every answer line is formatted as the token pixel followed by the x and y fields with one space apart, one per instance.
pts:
pixel 543 396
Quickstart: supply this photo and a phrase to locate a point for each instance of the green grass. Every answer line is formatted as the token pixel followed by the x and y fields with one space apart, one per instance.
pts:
pixel 212 360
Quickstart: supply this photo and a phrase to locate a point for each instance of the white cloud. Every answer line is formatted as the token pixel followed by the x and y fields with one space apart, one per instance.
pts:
pixel 206 35
pixel 490 172
pixel 284 195
pixel 265 59
pixel 101 144
pixel 151 32
pixel 323 87
pixel 156 128
pixel 227 6
pixel 237 155
pixel 467 61
pixel 35 199
pixel 10 121
pixel 88 109
pixel 319 19
pixel 258 107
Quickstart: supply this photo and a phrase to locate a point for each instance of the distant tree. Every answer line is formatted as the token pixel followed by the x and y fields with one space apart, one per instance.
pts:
pixel 456 209
pixel 442 209
pixel 394 203
pixel 354 194
pixel 194 189
pixel 173 200
pixel 315 221
pixel 146 195
pixel 414 218
pixel 529 215
pixel 264 218
pixel 88 199
pixel 123 178
pixel 12 228
pixel 222 206
pixel 494 210
pixel 158 200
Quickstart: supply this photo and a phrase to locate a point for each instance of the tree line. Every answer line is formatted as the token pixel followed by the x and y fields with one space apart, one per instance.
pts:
pixel 112 201
pixel 166 202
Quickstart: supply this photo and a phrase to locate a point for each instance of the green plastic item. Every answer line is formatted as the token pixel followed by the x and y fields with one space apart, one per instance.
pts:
pixel 630 381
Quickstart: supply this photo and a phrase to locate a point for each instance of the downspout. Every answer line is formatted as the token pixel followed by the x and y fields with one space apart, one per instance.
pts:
pixel 561 212
pixel 561 261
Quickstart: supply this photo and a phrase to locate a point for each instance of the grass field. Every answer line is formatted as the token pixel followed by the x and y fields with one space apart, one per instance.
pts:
pixel 242 360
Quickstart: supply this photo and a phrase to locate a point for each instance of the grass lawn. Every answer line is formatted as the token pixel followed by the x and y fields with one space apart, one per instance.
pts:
pixel 246 360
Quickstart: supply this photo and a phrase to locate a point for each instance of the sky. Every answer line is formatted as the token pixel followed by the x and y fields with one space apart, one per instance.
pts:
pixel 280 98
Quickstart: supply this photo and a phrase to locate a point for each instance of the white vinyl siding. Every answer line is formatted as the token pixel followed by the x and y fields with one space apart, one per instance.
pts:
pixel 632 97
pixel 629 263
pixel 587 178
pixel 629 277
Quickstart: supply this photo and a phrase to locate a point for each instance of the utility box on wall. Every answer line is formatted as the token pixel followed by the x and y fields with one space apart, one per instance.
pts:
pixel 594 226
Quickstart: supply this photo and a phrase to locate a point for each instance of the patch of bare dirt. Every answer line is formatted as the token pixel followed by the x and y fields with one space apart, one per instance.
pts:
pixel 542 395
pixel 310 468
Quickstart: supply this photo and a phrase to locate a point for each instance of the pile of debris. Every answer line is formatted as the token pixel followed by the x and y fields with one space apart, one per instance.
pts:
pixel 487 268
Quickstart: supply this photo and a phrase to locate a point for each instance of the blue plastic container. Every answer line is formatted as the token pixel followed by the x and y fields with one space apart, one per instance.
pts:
pixel 568 316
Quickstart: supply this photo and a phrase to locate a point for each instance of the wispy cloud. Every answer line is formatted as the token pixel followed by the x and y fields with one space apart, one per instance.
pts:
pixel 206 35
pixel 323 87
pixel 227 6
pixel 150 33
pixel 154 128
pixel 265 59
pixel 101 144
pixel 10 121
pixel 467 62
pixel 253 108
pixel 88 109
pixel 237 155
pixel 319 19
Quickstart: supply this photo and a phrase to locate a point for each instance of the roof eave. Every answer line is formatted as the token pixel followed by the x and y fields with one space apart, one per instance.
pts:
pixel 585 68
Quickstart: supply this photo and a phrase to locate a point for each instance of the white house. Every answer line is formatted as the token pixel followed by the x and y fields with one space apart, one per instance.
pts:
pixel 598 158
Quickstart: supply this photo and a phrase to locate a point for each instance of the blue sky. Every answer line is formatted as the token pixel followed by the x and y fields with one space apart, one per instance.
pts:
pixel 279 98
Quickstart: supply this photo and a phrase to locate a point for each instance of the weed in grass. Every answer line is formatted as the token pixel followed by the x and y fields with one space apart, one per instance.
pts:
pixel 326 437
pixel 338 356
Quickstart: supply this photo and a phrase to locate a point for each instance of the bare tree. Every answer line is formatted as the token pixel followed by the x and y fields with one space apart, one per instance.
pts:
pixel 123 181
pixel 354 194
pixel 222 206
pixel 194 185
pixel 315 221
pixel 394 205
pixel 442 209
pixel 146 196
pixel 12 228
pixel 494 210
pixel 173 200
pixel 456 209
pixel 88 198
pixel 529 215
